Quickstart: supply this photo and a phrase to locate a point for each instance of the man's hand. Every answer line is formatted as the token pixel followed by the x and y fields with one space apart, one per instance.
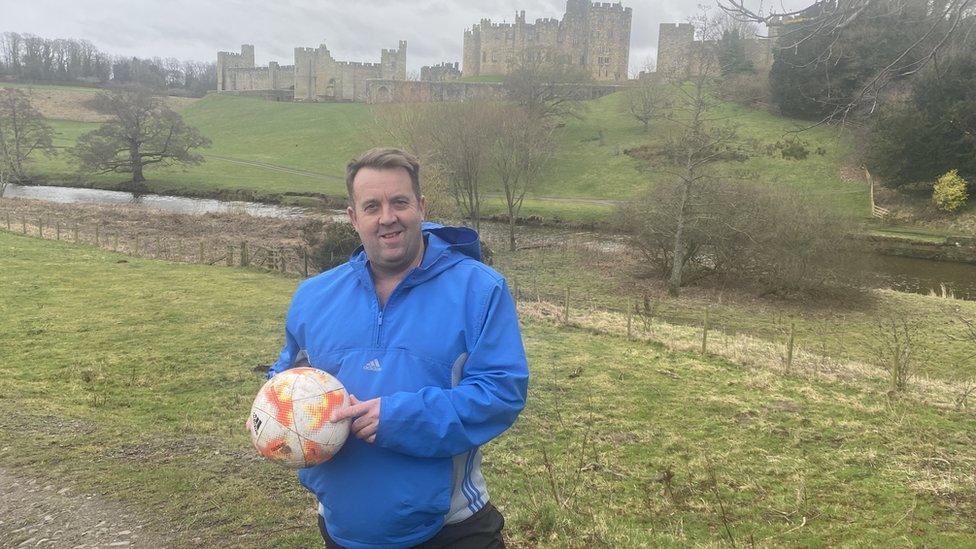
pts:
pixel 367 417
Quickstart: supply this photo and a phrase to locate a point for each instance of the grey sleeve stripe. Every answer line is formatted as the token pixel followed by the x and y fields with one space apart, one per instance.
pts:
pixel 457 368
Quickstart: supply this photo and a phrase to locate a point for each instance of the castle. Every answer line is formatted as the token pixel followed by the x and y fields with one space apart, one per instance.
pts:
pixel 591 35
pixel 315 76
pixel 676 48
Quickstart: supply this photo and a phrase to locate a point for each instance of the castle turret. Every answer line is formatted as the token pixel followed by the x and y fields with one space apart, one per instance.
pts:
pixel 675 41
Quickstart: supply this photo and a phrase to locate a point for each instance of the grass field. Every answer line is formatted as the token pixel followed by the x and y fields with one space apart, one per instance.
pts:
pixel 843 327
pixel 132 377
pixel 590 162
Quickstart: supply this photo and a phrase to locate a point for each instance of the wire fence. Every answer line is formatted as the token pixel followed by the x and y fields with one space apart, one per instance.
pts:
pixel 204 249
pixel 776 342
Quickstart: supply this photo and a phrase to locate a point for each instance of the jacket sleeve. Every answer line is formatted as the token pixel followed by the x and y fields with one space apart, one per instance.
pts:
pixel 287 357
pixel 436 422
pixel 289 353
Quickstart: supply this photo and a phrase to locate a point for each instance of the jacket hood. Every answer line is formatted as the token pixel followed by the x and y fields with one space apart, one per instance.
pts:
pixel 445 246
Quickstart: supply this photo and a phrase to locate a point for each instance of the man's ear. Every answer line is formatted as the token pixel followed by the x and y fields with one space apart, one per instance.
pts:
pixel 423 208
pixel 351 214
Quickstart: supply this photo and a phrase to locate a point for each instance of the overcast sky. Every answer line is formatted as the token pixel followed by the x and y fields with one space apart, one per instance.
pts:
pixel 353 30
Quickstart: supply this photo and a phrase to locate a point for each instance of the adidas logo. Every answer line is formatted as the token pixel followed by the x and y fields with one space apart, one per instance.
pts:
pixel 373 366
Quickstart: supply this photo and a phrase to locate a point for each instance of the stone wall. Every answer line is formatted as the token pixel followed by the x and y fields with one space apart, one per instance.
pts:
pixel 399 91
pixel 592 36
pixel 315 76
pixel 677 48
pixel 440 73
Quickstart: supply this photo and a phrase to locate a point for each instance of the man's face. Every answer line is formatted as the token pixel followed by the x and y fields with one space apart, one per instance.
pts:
pixel 387 215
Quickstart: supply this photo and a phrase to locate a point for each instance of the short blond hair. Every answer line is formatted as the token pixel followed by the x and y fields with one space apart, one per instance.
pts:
pixel 384 158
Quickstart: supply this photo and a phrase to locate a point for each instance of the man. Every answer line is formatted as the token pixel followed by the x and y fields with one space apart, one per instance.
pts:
pixel 426 338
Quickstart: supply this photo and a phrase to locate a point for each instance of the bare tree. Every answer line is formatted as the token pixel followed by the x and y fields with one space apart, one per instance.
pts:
pixel 893 344
pixel 454 139
pixel 23 131
pixel 143 132
pixel 4 175
pixel 941 23
pixel 644 99
pixel 523 146
pixel 546 83
pixel 698 143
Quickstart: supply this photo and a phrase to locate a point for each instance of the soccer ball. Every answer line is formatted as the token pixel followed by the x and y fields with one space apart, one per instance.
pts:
pixel 289 421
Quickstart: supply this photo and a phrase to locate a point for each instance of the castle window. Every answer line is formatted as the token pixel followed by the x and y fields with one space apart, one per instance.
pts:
pixel 484 56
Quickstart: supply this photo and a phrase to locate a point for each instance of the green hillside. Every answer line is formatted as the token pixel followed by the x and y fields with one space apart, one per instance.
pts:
pixel 270 148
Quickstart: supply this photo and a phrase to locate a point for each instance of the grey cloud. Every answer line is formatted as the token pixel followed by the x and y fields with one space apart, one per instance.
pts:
pixel 353 31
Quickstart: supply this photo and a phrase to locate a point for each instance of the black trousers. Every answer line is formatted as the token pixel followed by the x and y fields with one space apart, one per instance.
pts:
pixel 482 530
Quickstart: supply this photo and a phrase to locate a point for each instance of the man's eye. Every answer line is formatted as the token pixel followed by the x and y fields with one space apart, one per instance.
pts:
pixel 369 208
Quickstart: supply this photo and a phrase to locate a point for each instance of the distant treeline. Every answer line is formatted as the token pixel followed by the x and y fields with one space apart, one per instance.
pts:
pixel 30 58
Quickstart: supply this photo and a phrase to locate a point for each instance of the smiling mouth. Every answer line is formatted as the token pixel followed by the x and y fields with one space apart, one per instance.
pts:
pixel 390 236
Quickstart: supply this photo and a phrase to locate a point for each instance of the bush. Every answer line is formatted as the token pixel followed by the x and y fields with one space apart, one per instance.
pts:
pixel 931 132
pixel 949 193
pixel 329 243
pixel 747 234
pixel 792 148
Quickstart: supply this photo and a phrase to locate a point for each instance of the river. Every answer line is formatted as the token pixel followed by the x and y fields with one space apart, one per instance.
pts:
pixel 903 274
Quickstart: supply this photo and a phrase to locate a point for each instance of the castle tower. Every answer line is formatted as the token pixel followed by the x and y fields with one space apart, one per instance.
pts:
pixel 227 60
pixel 675 41
pixel 393 63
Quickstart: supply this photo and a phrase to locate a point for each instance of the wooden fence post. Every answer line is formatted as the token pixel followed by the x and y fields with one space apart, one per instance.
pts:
pixel 281 258
pixel 98 233
pixel 115 243
pixel 179 249
pixel 200 255
pixel 789 347
pixel 156 253
pixel 515 291
pixel 40 227
pixel 704 343
pixel 57 230
pixel 245 260
pixel 630 322
pixel 75 233
pixel 305 261
pixel 566 307
pixel 8 221
pixel 230 255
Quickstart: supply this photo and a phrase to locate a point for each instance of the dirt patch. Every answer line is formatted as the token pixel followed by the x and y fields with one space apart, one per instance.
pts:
pixel 70 103
pixel 146 232
pixel 35 513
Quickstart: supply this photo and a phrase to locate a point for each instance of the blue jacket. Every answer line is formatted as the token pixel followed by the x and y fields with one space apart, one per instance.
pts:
pixel 445 357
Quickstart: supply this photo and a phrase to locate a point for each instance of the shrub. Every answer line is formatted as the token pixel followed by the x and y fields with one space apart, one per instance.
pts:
pixel 746 234
pixel 329 243
pixel 791 148
pixel 949 193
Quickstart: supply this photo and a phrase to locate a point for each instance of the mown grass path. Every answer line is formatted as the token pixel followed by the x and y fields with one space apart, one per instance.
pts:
pixel 132 377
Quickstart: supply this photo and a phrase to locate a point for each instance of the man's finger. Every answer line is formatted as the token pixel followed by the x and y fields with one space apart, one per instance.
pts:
pixel 369 431
pixel 351 411
pixel 360 423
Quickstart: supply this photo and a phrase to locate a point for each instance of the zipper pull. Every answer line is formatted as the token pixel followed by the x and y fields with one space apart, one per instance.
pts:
pixel 380 323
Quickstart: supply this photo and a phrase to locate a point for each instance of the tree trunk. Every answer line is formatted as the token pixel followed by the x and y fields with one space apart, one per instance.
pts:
pixel 677 258
pixel 678 252
pixel 511 232
pixel 136 166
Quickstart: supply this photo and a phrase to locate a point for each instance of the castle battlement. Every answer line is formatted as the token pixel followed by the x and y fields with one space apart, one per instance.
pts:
pixel 593 34
pixel 314 76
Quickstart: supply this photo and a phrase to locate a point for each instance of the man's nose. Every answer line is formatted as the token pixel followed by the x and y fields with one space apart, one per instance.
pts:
pixel 387 215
